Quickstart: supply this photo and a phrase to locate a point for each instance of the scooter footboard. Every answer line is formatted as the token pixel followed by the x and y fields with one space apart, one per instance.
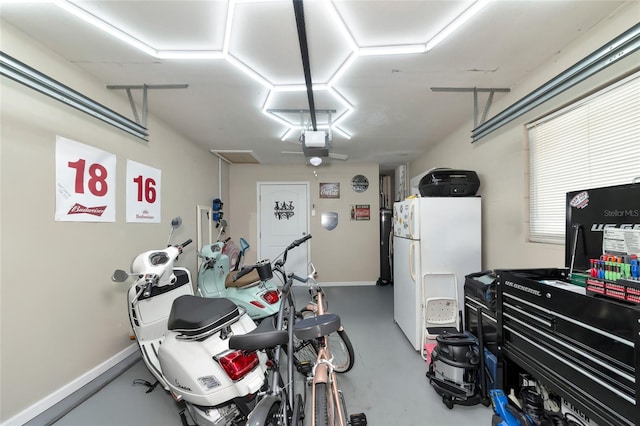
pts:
pixel 149 351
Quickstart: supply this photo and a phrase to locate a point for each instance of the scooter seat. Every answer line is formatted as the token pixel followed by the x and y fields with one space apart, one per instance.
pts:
pixel 245 280
pixel 193 316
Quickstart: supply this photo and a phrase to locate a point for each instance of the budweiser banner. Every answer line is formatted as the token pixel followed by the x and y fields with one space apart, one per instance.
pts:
pixel 85 183
pixel 143 193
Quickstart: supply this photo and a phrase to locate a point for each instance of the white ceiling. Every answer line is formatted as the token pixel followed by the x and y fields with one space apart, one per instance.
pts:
pixel 383 102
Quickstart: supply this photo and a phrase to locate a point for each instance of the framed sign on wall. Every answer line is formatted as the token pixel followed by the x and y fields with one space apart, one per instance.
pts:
pixel 330 190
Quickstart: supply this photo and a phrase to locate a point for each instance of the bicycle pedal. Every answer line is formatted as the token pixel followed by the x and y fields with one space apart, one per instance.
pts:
pixel 304 367
pixel 358 419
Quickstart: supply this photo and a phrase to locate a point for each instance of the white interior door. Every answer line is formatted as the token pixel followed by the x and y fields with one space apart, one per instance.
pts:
pixel 283 212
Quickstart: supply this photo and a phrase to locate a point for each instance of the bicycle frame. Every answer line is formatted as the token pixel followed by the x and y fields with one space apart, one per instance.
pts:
pixel 323 368
pixel 279 402
pixel 323 372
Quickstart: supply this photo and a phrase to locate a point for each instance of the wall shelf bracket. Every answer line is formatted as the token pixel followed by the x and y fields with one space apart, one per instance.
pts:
pixel 144 88
pixel 475 91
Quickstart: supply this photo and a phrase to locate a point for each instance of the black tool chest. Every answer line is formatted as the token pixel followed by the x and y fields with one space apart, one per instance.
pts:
pixel 582 347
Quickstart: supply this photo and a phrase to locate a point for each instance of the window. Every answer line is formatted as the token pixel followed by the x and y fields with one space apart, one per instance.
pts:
pixel 592 143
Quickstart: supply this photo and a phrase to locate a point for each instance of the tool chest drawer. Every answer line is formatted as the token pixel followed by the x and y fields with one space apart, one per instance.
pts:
pixel 582 347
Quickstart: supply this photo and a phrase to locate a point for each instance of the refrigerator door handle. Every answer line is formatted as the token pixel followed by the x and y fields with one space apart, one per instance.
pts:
pixel 412 249
pixel 411 220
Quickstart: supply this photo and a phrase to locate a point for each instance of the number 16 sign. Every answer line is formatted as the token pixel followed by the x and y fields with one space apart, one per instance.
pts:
pixel 143 193
pixel 85 183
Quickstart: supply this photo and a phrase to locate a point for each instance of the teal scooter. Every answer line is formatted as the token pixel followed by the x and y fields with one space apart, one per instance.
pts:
pixel 218 276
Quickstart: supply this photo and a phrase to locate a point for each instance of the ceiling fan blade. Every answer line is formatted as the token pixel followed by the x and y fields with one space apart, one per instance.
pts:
pixel 292 152
pixel 335 156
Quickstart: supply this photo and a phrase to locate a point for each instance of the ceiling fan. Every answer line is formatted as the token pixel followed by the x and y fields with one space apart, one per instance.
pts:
pixel 315 147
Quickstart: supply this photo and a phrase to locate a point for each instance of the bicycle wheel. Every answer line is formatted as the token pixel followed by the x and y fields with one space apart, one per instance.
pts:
pixel 342 351
pixel 322 408
pixel 298 411
pixel 304 353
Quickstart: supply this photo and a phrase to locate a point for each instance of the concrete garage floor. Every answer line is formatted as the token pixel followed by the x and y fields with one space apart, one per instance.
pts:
pixel 387 382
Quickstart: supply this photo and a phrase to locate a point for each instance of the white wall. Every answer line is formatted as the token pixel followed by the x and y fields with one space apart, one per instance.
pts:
pixel 61 316
pixel 349 253
pixel 501 158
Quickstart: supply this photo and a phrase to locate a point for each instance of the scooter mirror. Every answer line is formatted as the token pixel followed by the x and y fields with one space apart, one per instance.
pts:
pixel 120 276
pixel 176 222
pixel 223 223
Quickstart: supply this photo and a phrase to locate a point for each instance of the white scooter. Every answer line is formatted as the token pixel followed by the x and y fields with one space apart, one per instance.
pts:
pixel 184 340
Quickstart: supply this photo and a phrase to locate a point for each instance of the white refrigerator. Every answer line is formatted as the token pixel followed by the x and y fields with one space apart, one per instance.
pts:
pixel 436 242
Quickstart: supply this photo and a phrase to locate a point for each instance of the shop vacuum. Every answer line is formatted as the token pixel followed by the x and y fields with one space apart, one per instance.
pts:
pixel 457 372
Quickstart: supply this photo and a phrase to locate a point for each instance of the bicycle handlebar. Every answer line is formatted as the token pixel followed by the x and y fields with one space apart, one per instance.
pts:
pixel 297 278
pixel 294 244
pixel 297 242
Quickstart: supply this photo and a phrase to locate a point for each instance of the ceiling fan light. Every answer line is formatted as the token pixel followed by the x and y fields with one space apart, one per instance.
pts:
pixel 315 161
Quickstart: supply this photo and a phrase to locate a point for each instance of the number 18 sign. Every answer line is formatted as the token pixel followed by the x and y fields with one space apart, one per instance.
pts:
pixel 85 183
pixel 143 193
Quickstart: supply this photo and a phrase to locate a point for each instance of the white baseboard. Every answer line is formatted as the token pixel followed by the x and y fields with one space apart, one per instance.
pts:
pixel 68 389
pixel 347 284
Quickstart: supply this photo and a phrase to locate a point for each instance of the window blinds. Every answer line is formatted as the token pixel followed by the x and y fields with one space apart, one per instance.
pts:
pixel 590 144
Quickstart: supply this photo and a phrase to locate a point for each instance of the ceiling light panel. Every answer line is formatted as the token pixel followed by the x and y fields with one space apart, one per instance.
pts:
pixel 456 23
pixel 383 23
pixel 194 25
pixel 36 24
pixel 255 22
pixel 328 46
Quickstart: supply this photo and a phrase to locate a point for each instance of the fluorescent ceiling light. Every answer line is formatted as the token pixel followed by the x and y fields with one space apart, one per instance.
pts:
pixel 402 49
pixel 189 54
pixel 277 118
pixel 344 134
pixel 456 23
pixel 108 28
pixel 286 134
pixel 345 65
pixel 227 29
pixel 315 161
pixel 357 51
pixel 342 26
pixel 249 71
pixel 290 88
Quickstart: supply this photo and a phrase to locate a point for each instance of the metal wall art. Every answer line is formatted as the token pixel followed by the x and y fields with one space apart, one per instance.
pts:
pixel 329 220
pixel 284 210
pixel 359 183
